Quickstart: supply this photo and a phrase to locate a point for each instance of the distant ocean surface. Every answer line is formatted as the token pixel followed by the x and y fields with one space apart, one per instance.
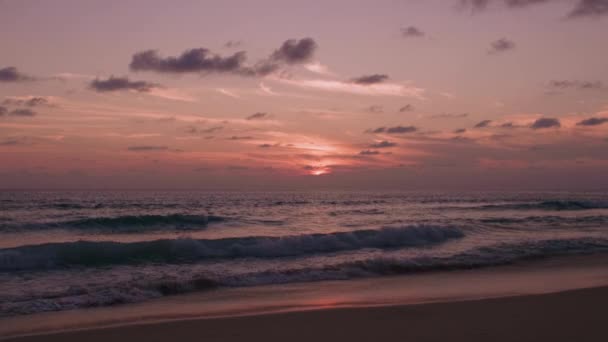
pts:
pixel 65 250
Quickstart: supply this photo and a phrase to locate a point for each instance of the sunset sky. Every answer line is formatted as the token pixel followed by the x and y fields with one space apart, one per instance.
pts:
pixel 404 94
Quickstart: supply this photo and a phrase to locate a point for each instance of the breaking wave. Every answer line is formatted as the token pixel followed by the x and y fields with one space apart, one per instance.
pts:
pixel 494 255
pixel 88 253
pixel 128 223
pixel 140 289
pixel 547 205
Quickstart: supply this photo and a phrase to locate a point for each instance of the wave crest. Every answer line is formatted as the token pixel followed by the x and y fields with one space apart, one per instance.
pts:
pixel 547 205
pixel 126 223
pixel 88 253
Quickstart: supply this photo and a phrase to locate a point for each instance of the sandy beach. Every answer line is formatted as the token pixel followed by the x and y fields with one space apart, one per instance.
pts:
pixel 567 316
pixel 559 299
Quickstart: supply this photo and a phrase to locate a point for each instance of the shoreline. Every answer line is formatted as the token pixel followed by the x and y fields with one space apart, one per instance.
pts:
pixel 563 316
pixel 532 278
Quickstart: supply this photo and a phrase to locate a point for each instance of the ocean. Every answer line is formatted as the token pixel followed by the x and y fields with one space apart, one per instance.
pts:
pixel 62 250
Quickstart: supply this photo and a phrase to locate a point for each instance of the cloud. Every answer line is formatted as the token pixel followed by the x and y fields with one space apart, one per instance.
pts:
pixel 589 8
pixel 22 112
pixel 370 79
pixel 202 60
pixel 257 116
pixel 592 122
pixel 501 45
pixel 194 60
pixel 143 148
pixel 121 83
pixel 448 95
pixel 378 89
pixel 265 90
pixel 483 4
pixel 11 74
pixel 369 153
pixel 383 144
pixel 395 130
pixel 545 123
pixel 582 8
pixel 401 129
pixel 233 44
pixel 265 146
pixel 483 124
pixel 583 85
pixel 406 108
pixel 450 116
pixel 29 101
pixel 228 93
pixel 3 110
pixel 236 137
pixel 212 129
pixel 318 68
pixel 412 32
pixel 10 142
pixel 375 109
pixel 294 51
pixel 460 130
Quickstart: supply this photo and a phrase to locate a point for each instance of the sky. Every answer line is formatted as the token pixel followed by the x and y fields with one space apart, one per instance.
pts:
pixel 269 94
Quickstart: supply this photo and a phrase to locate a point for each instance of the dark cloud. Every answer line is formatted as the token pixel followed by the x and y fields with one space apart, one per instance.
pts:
pixel 10 142
pixel 475 4
pixel 394 130
pixel 369 153
pixel 202 60
pixel 370 79
pixel 11 74
pixel 265 146
pixel 143 148
pixel 236 137
pixel 194 60
pixel 483 124
pixel 592 122
pixel 523 3
pixel 583 85
pixel 459 131
pixel 545 123
pixel 582 8
pixel 507 125
pixel 36 101
pixel 257 116
pixel 3 110
pixel 30 102
pixel 22 112
pixel 478 5
pixel 450 116
pixel 383 144
pixel 211 129
pixel 589 8
pixel 121 83
pixel 406 108
pixel 375 109
pixel 501 45
pixel 233 44
pixel 412 32
pixel 191 130
pixel 295 51
pixel 401 129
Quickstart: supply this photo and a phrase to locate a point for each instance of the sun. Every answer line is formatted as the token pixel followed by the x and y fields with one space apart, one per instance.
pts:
pixel 320 171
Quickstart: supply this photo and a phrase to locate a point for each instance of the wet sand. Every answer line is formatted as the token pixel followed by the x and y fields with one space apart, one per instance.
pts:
pixel 536 304
pixel 578 315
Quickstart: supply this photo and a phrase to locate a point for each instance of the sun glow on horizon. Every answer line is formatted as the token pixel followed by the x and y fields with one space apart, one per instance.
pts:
pixel 319 171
